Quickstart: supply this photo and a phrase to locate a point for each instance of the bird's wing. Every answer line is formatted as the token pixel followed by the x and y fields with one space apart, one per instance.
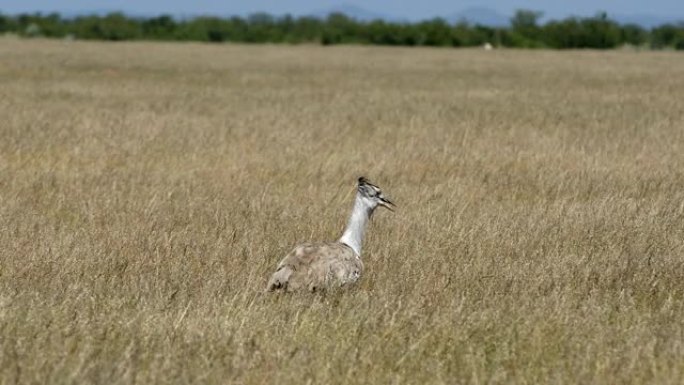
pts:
pixel 314 266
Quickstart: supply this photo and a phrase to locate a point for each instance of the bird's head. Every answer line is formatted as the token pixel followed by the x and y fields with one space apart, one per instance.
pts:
pixel 373 196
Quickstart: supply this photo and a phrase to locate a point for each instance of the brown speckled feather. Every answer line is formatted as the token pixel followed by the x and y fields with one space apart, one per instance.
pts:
pixel 317 266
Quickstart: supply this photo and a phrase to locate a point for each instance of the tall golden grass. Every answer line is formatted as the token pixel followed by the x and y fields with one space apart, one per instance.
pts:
pixel 148 190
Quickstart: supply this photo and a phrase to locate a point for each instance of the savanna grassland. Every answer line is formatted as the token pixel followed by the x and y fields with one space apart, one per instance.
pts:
pixel 148 190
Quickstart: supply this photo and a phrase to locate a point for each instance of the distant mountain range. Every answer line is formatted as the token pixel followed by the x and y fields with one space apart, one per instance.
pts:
pixel 480 15
pixel 354 12
pixel 647 21
pixel 490 17
pixel 473 15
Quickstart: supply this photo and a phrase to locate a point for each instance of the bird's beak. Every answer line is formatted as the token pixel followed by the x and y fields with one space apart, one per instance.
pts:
pixel 386 203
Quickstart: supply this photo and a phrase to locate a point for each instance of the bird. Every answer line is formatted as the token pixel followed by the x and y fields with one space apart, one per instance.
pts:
pixel 319 266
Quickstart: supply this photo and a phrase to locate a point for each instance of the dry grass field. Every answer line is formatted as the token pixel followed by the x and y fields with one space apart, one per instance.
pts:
pixel 148 190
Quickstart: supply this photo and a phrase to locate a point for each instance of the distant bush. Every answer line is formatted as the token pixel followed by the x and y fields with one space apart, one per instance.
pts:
pixel 668 36
pixel 525 31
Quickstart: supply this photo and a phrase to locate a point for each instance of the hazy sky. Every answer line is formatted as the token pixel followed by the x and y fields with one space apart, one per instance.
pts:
pixel 400 9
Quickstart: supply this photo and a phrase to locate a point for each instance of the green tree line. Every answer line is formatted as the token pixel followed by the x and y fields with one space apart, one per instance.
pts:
pixel 524 31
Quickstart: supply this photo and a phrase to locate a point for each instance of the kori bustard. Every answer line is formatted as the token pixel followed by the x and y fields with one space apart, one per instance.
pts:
pixel 317 266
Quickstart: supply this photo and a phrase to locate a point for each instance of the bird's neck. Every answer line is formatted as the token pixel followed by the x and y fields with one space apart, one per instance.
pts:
pixel 356 227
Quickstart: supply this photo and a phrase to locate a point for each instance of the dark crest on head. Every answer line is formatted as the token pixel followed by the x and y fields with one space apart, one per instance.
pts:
pixel 368 188
pixel 363 181
pixel 373 192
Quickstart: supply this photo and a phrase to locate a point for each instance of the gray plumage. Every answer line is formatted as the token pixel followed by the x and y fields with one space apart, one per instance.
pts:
pixel 319 266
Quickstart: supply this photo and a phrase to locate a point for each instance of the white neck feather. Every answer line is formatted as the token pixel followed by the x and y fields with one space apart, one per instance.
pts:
pixel 356 227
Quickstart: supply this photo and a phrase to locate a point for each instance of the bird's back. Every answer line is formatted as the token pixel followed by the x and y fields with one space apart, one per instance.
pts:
pixel 317 266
